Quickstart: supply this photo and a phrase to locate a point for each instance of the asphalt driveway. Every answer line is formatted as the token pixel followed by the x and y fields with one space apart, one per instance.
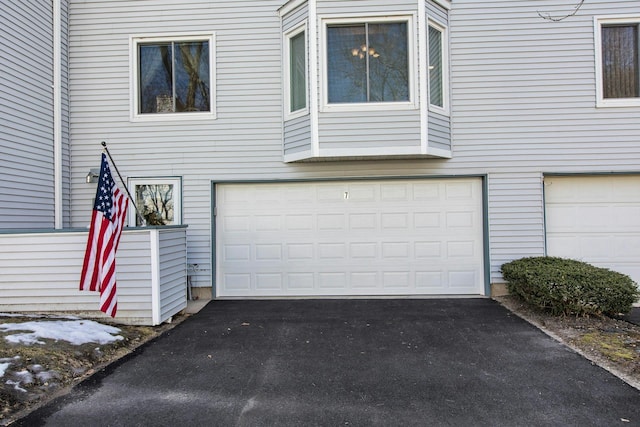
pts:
pixel 462 362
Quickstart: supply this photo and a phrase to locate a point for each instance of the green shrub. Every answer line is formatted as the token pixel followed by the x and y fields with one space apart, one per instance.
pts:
pixel 565 286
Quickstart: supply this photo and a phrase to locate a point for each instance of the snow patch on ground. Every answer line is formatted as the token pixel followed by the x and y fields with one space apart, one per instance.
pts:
pixel 3 368
pixel 76 332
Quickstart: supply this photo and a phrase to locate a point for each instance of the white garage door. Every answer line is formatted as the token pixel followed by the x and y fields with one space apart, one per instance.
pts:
pixel 596 220
pixel 391 237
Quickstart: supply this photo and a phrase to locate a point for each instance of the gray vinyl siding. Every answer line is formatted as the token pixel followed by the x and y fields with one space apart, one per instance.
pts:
pixel 523 100
pixel 295 17
pixel 66 148
pixel 297 135
pixel 26 114
pixel 522 92
pixel 439 131
pixel 375 129
pixel 436 12
pixel 244 140
pixel 339 7
pixel 516 217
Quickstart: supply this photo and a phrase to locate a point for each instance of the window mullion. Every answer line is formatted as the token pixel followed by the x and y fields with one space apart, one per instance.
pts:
pixel 637 64
pixel 173 76
pixel 366 58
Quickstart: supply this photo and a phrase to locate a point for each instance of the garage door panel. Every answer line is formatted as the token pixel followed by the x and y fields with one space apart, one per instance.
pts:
pixel 627 216
pixel 627 247
pixel 459 191
pixel 364 280
pixel 302 282
pixel 596 220
pixel 350 238
pixel 459 279
pixel 430 281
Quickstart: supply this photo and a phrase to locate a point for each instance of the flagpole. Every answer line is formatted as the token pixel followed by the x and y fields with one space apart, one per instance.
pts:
pixel 126 188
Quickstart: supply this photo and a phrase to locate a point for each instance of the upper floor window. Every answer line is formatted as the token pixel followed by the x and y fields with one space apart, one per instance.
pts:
pixel 296 71
pixel 368 61
pixel 438 67
pixel 173 77
pixel 617 62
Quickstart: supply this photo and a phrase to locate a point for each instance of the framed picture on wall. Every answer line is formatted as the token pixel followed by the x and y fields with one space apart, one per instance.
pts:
pixel 159 201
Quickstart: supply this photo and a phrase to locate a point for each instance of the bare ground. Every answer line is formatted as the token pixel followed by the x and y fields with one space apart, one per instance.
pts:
pixel 55 367
pixel 612 344
pixel 38 373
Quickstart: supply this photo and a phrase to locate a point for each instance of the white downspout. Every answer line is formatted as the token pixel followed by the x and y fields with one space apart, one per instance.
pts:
pixel 57 114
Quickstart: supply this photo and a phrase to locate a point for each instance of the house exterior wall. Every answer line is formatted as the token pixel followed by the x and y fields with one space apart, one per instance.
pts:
pixel 27 199
pixel 522 96
pixel 26 114
pixel 524 104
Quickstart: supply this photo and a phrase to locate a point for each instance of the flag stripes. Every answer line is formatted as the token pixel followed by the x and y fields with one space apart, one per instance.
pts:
pixel 107 220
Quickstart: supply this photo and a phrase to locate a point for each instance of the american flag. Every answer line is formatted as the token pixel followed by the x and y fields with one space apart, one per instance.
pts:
pixel 107 220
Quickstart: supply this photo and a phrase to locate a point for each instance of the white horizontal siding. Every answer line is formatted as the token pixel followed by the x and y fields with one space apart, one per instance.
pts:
pixel 41 272
pixel 173 273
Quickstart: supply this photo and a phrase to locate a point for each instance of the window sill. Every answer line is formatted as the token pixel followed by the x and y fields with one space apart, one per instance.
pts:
pixel 173 117
pixel 377 106
pixel 296 114
pixel 618 102
pixel 439 110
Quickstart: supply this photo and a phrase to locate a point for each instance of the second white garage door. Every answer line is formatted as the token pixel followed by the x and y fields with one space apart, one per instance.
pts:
pixel 391 237
pixel 595 219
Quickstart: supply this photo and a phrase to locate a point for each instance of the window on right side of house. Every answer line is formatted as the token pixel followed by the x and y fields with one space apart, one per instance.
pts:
pixel 619 66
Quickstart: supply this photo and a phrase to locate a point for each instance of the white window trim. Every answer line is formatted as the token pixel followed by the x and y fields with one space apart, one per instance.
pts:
pixel 134 41
pixel 410 19
pixel 598 22
pixel 288 114
pixel 177 196
pixel 445 109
